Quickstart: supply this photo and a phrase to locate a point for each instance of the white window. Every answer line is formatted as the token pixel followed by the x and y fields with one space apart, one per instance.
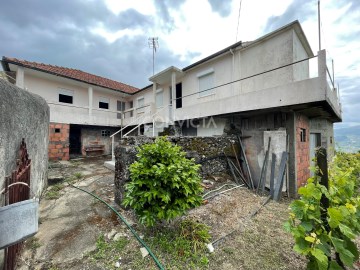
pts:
pixel 206 83
pixel 66 96
pixel 140 104
pixel 120 108
pixel 104 103
pixel 105 133
pixel 159 98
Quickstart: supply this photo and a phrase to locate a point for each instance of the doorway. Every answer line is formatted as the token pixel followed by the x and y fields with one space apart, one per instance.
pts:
pixel 178 95
pixel 75 140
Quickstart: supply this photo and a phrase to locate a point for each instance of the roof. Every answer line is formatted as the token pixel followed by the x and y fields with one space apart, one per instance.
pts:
pixel 70 73
pixel 213 55
pixel 295 25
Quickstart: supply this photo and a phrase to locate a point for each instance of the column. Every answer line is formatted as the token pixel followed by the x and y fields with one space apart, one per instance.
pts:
pixel 173 90
pixel 90 94
pixel 20 77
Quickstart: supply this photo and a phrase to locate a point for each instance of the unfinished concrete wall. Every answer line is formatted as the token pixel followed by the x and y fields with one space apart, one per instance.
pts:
pixel 97 135
pixel 302 149
pixel 207 151
pixel 326 130
pixel 59 141
pixel 23 115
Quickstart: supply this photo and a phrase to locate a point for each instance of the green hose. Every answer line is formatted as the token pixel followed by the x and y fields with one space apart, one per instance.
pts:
pixel 127 224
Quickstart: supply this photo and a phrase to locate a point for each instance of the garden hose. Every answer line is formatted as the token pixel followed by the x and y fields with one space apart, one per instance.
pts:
pixel 127 224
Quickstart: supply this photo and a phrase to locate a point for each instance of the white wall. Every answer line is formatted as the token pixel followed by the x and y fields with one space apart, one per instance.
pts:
pixel 48 87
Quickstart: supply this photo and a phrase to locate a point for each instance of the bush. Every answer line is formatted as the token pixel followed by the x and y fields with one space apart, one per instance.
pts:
pixel 326 236
pixel 164 183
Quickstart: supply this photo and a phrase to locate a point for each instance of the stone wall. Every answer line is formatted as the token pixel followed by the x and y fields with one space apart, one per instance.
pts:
pixel 23 115
pixel 207 151
pixel 59 141
pixel 302 149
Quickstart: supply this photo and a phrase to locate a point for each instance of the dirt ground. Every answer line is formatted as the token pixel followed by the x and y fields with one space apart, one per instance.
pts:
pixel 72 224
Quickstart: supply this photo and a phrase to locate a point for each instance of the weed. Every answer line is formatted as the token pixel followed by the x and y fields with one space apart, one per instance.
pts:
pixel 183 244
pixel 78 175
pixel 33 243
pixel 197 233
pixel 106 250
pixel 228 250
pixel 54 192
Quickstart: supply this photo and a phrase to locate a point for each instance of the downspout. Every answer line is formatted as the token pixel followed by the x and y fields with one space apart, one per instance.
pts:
pixel 232 71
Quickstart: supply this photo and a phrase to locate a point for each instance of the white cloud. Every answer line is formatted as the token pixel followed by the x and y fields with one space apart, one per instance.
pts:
pixel 113 36
pixel 145 7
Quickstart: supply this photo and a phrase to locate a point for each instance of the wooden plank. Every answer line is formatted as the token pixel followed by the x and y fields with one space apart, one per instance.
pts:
pixel 231 169
pixel 266 164
pixel 239 173
pixel 246 162
pixel 272 174
pixel 279 183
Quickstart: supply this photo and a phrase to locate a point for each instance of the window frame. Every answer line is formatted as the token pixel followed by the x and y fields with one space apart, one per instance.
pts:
pixel 210 91
pixel 104 100
pixel 159 91
pixel 140 109
pixel 66 92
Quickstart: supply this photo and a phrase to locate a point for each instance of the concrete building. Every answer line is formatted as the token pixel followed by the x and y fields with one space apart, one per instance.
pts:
pixel 270 87
pixel 85 109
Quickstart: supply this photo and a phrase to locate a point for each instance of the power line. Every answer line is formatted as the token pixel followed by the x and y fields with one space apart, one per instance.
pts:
pixel 248 77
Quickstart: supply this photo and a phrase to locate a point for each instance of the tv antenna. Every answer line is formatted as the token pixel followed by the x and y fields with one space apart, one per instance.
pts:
pixel 154 44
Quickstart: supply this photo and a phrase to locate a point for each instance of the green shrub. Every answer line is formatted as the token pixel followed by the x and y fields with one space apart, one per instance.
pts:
pixel 164 183
pixel 326 236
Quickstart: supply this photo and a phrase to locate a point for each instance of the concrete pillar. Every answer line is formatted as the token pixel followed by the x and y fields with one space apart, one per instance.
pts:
pixel 173 90
pixel 153 107
pixel 291 132
pixel 322 71
pixel 20 77
pixel 90 94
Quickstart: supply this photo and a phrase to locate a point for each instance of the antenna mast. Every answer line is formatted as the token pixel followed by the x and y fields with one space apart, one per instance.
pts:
pixel 154 44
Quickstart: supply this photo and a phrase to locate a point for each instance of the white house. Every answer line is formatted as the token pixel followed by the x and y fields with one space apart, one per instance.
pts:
pixel 273 86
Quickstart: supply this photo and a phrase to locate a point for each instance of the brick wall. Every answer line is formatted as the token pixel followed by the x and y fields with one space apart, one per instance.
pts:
pixel 59 141
pixel 302 149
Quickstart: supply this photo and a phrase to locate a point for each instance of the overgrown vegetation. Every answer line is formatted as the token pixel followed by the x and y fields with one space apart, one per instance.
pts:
pixel 54 192
pixel 108 250
pixel 181 244
pixel 164 183
pixel 325 236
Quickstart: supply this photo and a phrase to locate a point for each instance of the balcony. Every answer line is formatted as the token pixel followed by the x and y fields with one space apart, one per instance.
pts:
pixel 72 114
pixel 305 86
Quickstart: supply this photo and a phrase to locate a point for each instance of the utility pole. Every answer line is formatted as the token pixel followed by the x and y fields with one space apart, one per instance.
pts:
pixel 319 22
pixel 154 44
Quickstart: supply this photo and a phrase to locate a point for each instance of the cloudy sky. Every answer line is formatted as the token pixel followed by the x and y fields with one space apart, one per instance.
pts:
pixel 110 37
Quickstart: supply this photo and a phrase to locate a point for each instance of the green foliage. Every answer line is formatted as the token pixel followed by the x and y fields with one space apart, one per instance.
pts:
pixel 182 245
pixel 196 232
pixel 55 192
pixel 107 249
pixel 164 183
pixel 320 233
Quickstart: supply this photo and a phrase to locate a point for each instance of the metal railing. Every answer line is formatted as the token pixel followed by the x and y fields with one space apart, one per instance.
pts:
pixel 143 119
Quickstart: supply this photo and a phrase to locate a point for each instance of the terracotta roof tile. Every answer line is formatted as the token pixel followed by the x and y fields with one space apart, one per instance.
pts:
pixel 74 74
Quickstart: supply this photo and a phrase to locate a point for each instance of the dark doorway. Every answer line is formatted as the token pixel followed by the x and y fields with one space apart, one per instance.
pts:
pixel 75 140
pixel 179 95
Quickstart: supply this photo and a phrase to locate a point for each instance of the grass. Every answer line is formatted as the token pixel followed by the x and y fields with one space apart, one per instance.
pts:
pixel 33 243
pixel 107 250
pixel 182 244
pixel 54 193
